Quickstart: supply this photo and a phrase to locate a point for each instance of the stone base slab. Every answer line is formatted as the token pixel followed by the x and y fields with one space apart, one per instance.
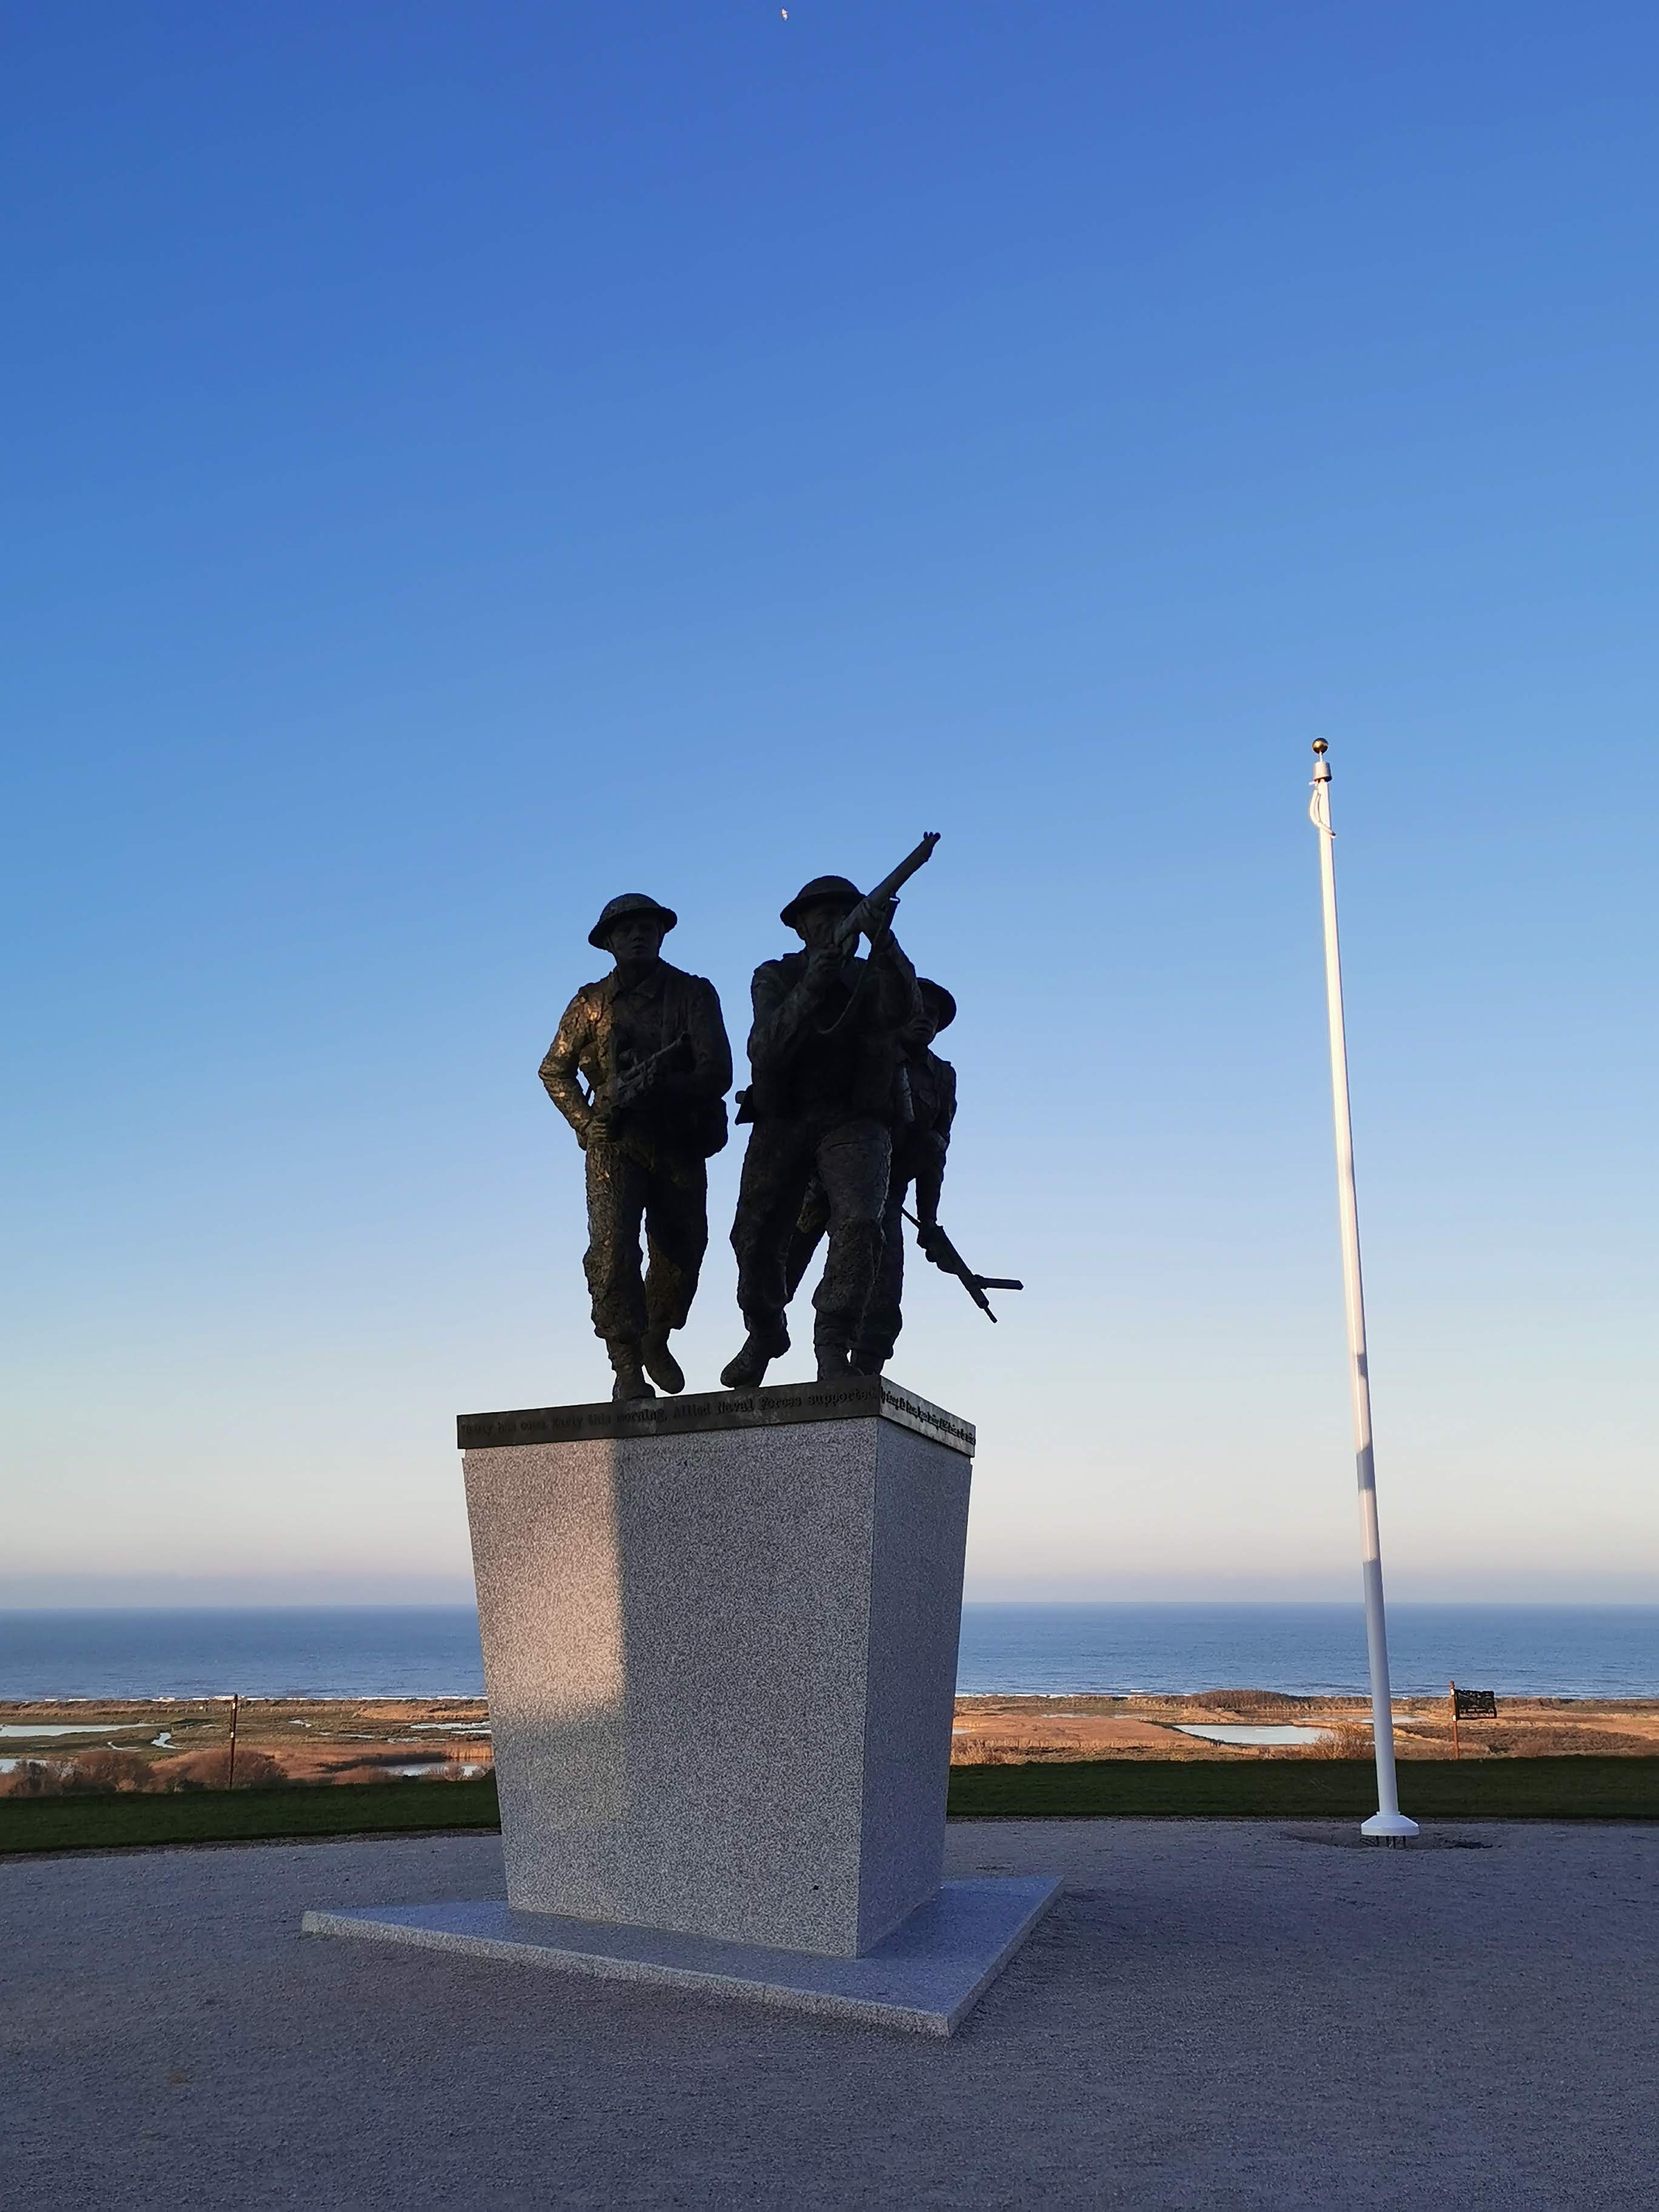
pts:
pixel 924 1977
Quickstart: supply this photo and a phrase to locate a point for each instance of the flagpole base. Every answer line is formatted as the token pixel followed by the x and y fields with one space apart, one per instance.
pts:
pixel 1389 1827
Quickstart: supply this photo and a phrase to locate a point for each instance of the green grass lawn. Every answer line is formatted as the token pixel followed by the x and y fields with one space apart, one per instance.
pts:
pixel 1207 1788
pixel 218 1816
pixel 1581 1788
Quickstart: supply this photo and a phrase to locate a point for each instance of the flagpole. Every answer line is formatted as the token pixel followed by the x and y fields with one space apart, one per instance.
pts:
pixel 1388 1823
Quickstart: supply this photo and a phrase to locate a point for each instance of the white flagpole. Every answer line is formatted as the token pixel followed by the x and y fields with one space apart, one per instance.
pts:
pixel 1388 1822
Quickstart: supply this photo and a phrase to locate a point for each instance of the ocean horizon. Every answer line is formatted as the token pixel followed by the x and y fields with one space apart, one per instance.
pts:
pixel 1032 1649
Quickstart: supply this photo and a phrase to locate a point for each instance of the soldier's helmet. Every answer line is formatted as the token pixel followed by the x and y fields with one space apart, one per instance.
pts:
pixel 941 1006
pixel 617 909
pixel 822 890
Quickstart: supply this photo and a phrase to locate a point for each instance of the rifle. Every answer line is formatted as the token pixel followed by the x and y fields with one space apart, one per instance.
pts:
pixel 631 1084
pixel 866 918
pixel 944 1254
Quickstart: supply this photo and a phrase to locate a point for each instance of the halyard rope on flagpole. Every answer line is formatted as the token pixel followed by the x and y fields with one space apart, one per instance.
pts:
pixel 1388 1823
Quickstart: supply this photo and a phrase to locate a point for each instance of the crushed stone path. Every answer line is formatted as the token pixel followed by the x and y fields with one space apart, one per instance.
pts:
pixel 1218 2015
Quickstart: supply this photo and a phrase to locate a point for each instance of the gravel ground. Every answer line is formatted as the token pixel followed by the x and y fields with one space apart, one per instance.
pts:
pixel 1218 2013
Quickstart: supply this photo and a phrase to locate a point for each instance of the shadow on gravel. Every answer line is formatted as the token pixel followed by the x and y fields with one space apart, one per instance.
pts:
pixel 1432 1839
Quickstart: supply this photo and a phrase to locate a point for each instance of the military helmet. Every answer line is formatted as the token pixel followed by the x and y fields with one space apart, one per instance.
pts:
pixel 617 909
pixel 941 1006
pixel 822 890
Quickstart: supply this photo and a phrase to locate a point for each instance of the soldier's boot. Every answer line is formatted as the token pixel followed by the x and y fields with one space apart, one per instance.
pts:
pixel 660 1363
pixel 765 1342
pixel 865 1362
pixel 630 1381
pixel 834 1359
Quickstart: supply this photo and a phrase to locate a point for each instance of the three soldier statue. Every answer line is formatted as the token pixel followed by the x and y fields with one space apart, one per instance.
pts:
pixel 849 1112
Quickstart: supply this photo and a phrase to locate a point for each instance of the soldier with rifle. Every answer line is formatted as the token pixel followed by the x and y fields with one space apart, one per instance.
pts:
pixel 828 1050
pixel 640 1069
pixel 921 1141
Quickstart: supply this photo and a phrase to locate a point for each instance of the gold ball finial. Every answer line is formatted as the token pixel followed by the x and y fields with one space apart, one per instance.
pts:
pixel 1321 747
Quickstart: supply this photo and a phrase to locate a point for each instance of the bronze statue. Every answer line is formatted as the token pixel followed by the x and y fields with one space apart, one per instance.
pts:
pixel 649 1042
pixel 828 1051
pixel 921 1140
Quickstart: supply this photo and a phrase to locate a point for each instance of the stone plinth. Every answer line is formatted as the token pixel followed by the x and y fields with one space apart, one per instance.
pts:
pixel 719 1642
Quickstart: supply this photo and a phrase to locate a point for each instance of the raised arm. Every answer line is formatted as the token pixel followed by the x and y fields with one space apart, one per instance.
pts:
pixel 786 1013
pixel 900 1006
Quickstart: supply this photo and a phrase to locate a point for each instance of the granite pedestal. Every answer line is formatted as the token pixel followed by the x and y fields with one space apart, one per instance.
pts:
pixel 719 1643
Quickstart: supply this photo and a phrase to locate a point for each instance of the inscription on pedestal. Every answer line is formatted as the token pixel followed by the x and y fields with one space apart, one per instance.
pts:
pixel 859 1398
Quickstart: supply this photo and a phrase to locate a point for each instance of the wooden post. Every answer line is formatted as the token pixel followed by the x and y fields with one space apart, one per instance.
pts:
pixel 1451 1688
pixel 235 1704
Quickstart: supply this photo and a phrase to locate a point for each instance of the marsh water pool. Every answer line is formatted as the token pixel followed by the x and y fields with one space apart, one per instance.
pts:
pixel 1231 1732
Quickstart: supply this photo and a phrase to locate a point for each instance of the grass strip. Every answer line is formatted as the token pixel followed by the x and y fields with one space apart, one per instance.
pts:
pixel 222 1816
pixel 1581 1788
pixel 1572 1788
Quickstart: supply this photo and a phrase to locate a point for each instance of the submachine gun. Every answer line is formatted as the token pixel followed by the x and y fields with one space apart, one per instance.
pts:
pixel 944 1254
pixel 633 1083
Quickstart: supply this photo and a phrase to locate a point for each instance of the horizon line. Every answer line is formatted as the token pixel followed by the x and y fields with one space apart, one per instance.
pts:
pixel 469 1605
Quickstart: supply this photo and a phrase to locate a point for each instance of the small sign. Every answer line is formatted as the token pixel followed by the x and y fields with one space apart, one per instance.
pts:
pixel 1475 1705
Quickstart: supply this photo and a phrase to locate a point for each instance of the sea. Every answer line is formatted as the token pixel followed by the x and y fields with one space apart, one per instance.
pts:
pixel 1051 1650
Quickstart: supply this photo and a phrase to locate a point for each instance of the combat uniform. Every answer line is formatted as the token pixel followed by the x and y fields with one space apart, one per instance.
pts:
pixel 648 1161
pixel 919 1146
pixel 827 1050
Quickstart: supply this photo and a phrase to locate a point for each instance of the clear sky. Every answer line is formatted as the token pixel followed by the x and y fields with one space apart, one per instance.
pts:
pixel 464 462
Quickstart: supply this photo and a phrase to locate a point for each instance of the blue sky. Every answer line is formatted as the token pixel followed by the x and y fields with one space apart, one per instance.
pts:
pixel 464 463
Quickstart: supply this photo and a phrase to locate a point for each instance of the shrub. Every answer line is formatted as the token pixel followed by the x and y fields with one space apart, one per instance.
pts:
pixel 1346 1740
pixel 102 1773
pixel 31 1777
pixel 211 1770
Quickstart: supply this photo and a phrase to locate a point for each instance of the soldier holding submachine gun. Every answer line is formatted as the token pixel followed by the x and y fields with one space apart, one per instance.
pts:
pixel 640 1069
